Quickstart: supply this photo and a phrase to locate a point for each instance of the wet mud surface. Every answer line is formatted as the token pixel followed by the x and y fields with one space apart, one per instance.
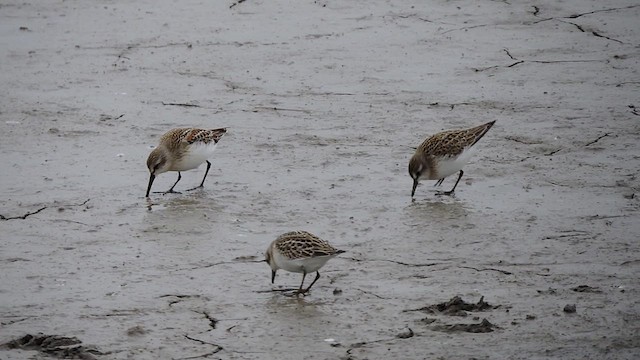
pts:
pixel 325 102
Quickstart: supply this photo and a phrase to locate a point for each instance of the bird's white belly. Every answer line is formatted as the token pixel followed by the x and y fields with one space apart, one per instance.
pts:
pixel 307 265
pixel 449 166
pixel 196 155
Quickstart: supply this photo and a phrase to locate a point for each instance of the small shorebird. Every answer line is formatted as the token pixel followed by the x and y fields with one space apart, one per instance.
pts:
pixel 300 252
pixel 444 154
pixel 183 149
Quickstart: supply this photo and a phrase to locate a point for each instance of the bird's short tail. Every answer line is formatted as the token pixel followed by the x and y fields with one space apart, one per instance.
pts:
pixel 479 131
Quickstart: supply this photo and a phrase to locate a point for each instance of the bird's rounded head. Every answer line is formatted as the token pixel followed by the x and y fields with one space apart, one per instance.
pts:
pixel 268 258
pixel 417 167
pixel 157 162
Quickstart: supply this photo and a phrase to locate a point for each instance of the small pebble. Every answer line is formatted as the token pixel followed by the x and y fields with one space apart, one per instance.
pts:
pixel 569 308
pixel 136 330
pixel 407 333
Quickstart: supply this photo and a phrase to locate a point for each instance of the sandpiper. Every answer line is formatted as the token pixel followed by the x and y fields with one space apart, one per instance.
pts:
pixel 183 149
pixel 300 252
pixel 444 154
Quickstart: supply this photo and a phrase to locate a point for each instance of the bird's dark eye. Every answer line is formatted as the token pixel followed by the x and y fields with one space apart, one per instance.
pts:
pixel 158 166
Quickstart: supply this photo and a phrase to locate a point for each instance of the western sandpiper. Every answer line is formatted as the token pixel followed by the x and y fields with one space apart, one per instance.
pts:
pixel 181 150
pixel 444 154
pixel 300 252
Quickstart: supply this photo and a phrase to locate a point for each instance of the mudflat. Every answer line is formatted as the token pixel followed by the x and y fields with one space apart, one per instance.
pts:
pixel 536 255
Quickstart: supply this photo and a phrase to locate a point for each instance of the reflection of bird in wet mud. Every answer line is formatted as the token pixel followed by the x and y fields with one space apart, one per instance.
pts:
pixel 444 154
pixel 183 149
pixel 300 252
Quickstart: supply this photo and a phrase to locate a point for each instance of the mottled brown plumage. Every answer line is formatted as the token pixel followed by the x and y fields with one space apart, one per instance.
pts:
pixel 183 149
pixel 302 244
pixel 444 154
pixel 452 143
pixel 299 251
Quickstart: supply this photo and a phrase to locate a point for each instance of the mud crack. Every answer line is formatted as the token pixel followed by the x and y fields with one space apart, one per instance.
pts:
pixel 395 262
pixel 575 16
pixel 519 62
pixel 596 140
pixel 217 348
pixel 522 140
pixel 22 217
pixel 592 32
pixel 181 297
pixel 373 294
pixel 236 3
pixel 552 152
pixel 26 215
pixel 212 321
pixel 269 108
pixel 179 104
pixel 487 269
pixel 203 342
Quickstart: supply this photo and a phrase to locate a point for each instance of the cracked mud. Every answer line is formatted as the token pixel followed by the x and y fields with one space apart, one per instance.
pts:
pixel 324 102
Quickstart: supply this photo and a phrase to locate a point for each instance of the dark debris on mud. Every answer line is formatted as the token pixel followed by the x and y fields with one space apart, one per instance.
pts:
pixel 482 327
pixel 60 347
pixel 456 307
pixel 586 289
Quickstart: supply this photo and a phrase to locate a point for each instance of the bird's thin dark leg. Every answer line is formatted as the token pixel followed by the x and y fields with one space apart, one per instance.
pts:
pixel 170 191
pixel 205 173
pixel 204 178
pixel 300 291
pixel 174 184
pixel 450 192
pixel 314 281
pixel 439 182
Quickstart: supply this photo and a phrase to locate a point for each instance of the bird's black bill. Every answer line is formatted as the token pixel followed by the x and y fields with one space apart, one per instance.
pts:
pixel 273 276
pixel 151 178
pixel 415 184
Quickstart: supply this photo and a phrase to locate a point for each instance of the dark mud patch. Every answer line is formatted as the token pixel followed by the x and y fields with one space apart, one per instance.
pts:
pixel 549 291
pixel 60 347
pixel 426 321
pixel 456 307
pixel 587 289
pixel 482 327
